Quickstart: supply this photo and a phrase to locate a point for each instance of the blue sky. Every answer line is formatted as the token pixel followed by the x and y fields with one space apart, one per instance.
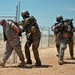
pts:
pixel 45 11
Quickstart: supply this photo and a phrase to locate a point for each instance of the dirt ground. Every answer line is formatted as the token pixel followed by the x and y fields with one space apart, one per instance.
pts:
pixel 49 66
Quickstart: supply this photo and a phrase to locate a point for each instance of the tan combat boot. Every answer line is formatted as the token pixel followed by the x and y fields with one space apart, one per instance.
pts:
pixel 2 64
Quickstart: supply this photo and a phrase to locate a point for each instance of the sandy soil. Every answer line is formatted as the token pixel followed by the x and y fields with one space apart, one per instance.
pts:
pixel 49 66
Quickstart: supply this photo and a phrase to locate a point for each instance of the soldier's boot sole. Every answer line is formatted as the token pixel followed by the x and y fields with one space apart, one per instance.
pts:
pixel 60 62
pixel 29 62
pixel 38 63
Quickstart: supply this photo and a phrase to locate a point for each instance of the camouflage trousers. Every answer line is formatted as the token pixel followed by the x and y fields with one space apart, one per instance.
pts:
pixel 70 43
pixel 33 40
pixel 14 44
pixel 63 45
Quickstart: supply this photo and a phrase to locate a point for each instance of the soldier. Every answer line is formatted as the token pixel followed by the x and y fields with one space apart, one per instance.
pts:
pixel 59 20
pixel 10 31
pixel 61 38
pixel 69 25
pixel 33 36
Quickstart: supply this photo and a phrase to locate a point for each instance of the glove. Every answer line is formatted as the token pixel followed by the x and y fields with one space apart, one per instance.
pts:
pixel 20 34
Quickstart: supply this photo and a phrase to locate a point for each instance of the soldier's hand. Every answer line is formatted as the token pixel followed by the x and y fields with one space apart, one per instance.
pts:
pixel 20 34
pixel 59 25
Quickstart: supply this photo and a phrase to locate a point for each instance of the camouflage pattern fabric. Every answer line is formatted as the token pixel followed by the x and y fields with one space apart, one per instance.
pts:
pixel 33 37
pixel 12 43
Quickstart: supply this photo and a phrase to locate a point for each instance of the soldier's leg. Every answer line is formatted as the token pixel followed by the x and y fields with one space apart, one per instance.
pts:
pixel 6 54
pixel 71 46
pixel 17 47
pixel 27 52
pixel 57 46
pixel 58 49
pixel 62 49
pixel 36 53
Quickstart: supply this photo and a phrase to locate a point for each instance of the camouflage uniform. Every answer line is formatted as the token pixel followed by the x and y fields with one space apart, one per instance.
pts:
pixel 33 36
pixel 59 20
pixel 61 37
pixel 71 46
pixel 56 39
pixel 12 43
pixel 61 41
pixel 70 41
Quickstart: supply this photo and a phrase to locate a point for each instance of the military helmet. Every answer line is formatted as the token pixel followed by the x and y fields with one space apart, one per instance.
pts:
pixel 67 20
pixel 24 13
pixel 59 18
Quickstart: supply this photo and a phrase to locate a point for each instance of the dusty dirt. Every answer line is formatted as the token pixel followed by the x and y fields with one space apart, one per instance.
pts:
pixel 49 66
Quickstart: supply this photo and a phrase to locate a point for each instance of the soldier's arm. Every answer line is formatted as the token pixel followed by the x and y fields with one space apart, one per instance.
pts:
pixel 58 25
pixel 24 24
pixel 54 27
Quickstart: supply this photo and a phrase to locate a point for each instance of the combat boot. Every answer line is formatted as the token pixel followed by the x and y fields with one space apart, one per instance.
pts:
pixel 38 63
pixel 22 64
pixel 29 61
pixel 60 62
pixel 72 56
pixel 2 64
